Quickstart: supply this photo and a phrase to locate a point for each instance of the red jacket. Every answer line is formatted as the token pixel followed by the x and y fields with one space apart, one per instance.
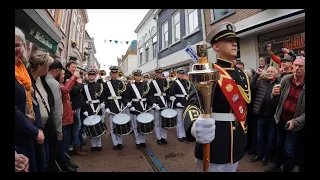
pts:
pixel 67 107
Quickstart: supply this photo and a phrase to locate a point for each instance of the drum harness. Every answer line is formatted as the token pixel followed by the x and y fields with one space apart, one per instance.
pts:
pixel 139 98
pixel 90 101
pixel 184 95
pixel 159 93
pixel 113 95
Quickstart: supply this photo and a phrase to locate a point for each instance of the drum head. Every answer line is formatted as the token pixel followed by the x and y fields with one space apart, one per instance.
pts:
pixel 92 120
pixel 145 118
pixel 121 119
pixel 169 113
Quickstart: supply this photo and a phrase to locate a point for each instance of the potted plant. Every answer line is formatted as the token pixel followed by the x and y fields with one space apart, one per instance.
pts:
pixel 73 57
pixel 73 44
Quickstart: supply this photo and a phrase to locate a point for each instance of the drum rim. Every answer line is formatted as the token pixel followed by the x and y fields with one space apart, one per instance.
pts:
pixel 176 113
pixel 96 115
pixel 121 115
pixel 151 115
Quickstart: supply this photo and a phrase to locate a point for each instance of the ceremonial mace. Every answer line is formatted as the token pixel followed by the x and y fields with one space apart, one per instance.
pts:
pixel 204 78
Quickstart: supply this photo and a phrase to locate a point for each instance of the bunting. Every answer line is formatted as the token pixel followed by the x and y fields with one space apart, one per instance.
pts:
pixel 117 41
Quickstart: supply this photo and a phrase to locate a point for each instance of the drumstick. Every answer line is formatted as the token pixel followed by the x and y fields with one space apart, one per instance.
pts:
pixel 172 104
pixel 138 111
pixel 149 109
pixel 125 107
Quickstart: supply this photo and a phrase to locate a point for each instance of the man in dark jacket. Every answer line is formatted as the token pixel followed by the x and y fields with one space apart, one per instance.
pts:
pixel 264 107
pixel 77 102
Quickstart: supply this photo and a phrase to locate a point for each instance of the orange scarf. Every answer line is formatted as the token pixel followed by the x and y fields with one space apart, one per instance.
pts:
pixel 22 76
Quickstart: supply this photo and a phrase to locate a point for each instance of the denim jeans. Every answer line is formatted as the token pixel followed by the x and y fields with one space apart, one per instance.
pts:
pixel 64 144
pixel 266 130
pixel 286 144
pixel 76 129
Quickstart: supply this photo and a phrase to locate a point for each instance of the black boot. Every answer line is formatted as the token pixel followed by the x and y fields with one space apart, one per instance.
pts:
pixel 73 165
pixel 67 167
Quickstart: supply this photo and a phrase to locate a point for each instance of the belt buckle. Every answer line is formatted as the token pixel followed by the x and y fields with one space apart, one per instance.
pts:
pixel 139 100
pixel 162 94
pixel 114 97
pixel 89 102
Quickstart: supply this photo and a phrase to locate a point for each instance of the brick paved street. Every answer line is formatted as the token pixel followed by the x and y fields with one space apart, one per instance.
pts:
pixel 176 156
pixel 108 160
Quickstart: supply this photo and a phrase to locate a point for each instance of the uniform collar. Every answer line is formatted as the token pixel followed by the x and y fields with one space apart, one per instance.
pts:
pixel 225 63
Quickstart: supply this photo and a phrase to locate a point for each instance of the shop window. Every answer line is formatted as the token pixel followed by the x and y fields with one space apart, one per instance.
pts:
pixel 292 38
pixel 218 14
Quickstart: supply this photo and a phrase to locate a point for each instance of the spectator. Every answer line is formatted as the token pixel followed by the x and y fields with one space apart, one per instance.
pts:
pixel 67 120
pixel 290 114
pixel 77 102
pixel 263 64
pixel 286 67
pixel 251 119
pixel 264 107
pixel 21 163
pixel 39 63
pixel 240 65
pixel 26 120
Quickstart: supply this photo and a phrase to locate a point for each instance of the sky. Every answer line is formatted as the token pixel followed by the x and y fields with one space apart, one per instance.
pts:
pixel 113 24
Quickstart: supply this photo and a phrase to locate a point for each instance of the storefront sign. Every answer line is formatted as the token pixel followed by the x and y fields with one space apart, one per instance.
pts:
pixel 295 42
pixel 34 33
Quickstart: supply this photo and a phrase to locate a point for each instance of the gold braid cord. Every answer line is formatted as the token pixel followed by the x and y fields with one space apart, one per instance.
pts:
pixel 124 87
pixel 144 93
pixel 98 94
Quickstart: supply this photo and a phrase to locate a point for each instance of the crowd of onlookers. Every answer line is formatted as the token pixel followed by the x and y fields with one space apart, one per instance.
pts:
pixel 49 116
pixel 48 102
pixel 276 114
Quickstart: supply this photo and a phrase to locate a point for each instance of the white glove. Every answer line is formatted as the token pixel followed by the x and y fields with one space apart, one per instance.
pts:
pixel 154 105
pixel 108 111
pixel 203 130
pixel 172 98
pixel 157 108
pixel 86 113
pixel 132 109
pixel 179 104
pixel 102 105
pixel 129 104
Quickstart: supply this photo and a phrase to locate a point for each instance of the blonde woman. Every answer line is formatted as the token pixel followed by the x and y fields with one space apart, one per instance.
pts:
pixel 39 63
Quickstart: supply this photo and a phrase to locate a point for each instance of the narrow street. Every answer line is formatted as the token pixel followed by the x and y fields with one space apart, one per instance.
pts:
pixel 174 157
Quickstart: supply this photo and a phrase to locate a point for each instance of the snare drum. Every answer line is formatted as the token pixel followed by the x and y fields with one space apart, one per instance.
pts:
pixel 168 118
pixel 121 124
pixel 94 127
pixel 145 123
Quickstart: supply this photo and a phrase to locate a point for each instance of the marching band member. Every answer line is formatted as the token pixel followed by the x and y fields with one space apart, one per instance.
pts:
pixel 225 130
pixel 136 97
pixel 158 87
pixel 103 75
pixel 113 91
pixel 146 78
pixel 179 91
pixel 93 96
